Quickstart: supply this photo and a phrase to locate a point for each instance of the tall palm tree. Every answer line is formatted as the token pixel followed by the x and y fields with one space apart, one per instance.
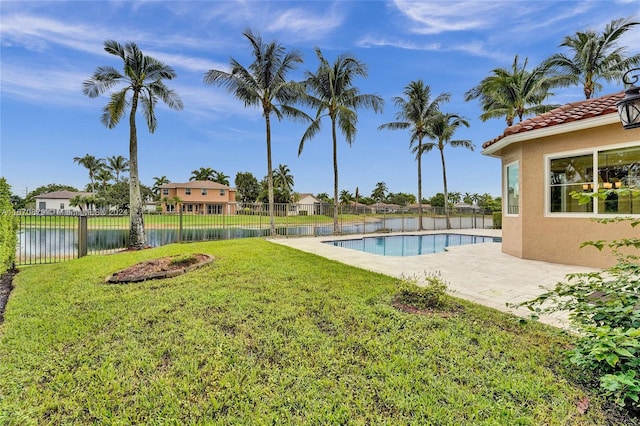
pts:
pixel 93 165
pixel 441 129
pixel 263 84
pixel 203 173
pixel 283 179
pixel 514 92
pixel 103 176
pixel 332 94
pixel 379 192
pixel 220 177
pixel 345 197
pixel 117 164
pixel 143 78
pixel 415 111
pixel 594 56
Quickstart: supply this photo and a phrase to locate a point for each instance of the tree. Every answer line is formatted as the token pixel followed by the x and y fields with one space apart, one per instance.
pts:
pixel 594 56
pixel 345 197
pixel 93 165
pixel 143 78
pixel 203 173
pixel 414 114
pixel 401 198
pixel 283 179
pixel 45 189
pixel 514 92
pixel 332 94
pixel 117 164
pixel 324 197
pixel 247 187
pixel 264 84
pixel 103 177
pixel 157 183
pixel 220 177
pixel 441 130
pixel 379 192
pixel 82 202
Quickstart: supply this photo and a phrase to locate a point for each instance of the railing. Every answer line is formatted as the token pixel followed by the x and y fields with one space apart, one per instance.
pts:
pixel 51 238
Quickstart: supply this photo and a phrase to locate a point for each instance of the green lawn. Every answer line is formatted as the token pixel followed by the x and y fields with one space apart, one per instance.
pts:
pixel 267 335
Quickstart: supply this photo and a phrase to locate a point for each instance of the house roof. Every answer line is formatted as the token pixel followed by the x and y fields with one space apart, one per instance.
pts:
pixel 63 195
pixel 197 184
pixel 571 112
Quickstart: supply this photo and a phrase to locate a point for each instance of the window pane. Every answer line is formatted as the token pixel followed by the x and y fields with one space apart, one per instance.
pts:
pixel 513 191
pixel 572 170
pixel 563 202
pixel 619 169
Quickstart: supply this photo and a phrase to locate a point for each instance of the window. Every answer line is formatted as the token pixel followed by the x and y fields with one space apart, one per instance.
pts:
pixel 214 209
pixel 187 191
pixel 204 191
pixel 595 171
pixel 165 191
pixel 512 182
pixel 222 192
pixel 61 206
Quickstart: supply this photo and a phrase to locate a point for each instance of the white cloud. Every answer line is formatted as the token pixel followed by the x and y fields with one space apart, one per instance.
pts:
pixel 305 24
pixel 373 41
pixel 438 17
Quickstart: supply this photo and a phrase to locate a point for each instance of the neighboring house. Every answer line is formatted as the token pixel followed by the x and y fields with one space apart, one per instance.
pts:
pixel 580 146
pixel 58 201
pixel 385 207
pixel 361 208
pixel 414 207
pixel 307 205
pixel 466 208
pixel 198 197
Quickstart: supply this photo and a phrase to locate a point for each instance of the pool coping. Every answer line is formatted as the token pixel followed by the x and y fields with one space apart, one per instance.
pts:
pixel 481 273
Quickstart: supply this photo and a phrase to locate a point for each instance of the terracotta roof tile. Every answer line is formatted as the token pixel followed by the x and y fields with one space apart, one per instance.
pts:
pixel 573 111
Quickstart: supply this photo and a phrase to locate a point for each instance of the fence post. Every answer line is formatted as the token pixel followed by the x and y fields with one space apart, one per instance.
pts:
pixel 82 236
pixel 180 225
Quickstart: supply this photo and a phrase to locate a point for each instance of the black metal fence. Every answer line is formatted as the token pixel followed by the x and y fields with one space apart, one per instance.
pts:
pixel 51 238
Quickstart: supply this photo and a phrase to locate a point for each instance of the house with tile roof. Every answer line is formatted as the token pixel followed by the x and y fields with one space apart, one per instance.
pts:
pixel 59 202
pixel 198 197
pixel 578 147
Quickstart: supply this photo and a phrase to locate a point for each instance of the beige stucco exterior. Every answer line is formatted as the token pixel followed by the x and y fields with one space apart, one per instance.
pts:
pixel 534 233
pixel 198 197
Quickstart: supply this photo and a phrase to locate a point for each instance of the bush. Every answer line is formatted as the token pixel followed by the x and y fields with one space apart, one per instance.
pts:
pixel 604 308
pixel 431 296
pixel 8 228
pixel 497 220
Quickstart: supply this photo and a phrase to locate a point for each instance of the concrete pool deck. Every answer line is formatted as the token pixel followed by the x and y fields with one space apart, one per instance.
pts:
pixel 480 273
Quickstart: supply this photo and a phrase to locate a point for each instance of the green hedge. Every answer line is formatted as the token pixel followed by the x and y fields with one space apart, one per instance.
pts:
pixel 497 220
pixel 8 228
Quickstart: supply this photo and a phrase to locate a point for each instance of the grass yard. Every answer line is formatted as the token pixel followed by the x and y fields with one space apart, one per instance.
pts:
pixel 268 335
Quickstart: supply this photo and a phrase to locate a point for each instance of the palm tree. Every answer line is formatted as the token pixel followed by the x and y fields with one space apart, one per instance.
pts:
pixel 414 113
pixel 441 130
pixel 93 165
pixel 157 183
pixel 143 76
pixel 220 177
pixel 117 164
pixel 333 94
pixel 264 84
pixel 103 176
pixel 283 179
pixel 345 197
pixel 379 191
pixel 514 92
pixel 203 173
pixel 593 57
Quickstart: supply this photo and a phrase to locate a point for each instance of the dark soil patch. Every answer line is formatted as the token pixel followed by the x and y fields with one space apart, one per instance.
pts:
pixel 164 267
pixel 443 313
pixel 6 285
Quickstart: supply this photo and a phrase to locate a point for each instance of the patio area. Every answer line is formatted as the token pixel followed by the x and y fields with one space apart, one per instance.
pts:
pixel 477 272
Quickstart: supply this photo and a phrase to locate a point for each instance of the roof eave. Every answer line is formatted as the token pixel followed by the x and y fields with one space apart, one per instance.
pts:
pixel 603 120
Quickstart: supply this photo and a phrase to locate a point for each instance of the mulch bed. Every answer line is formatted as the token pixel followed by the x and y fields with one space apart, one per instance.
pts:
pixel 6 285
pixel 164 267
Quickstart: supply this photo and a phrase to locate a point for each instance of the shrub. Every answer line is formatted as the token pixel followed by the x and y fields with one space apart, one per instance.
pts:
pixel 8 228
pixel 431 296
pixel 604 308
pixel 497 220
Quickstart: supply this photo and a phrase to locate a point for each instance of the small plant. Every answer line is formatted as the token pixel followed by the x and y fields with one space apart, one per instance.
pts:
pixel 604 309
pixel 430 296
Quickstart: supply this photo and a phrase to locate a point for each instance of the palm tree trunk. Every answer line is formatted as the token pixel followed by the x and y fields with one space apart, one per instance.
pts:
pixel 137 240
pixel 272 224
pixel 336 227
pixel 446 193
pixel 420 228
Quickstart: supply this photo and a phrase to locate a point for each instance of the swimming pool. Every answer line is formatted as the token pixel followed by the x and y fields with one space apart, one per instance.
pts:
pixel 411 245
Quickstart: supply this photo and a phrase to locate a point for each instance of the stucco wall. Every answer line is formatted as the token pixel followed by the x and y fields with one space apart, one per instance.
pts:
pixel 553 238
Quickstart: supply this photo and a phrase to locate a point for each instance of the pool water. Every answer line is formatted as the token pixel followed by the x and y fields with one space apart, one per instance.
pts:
pixel 411 245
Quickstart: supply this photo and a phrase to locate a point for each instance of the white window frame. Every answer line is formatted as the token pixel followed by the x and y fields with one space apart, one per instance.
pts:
pixel 505 190
pixel 204 191
pixel 187 191
pixel 574 153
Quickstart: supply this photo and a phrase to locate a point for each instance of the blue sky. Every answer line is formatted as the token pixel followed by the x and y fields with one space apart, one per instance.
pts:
pixel 49 48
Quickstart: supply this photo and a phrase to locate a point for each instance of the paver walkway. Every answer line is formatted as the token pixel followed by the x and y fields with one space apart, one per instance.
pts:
pixel 477 272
